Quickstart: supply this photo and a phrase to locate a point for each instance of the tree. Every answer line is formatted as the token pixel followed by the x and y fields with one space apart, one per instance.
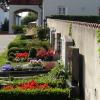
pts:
pixel 5 25
pixel 29 18
pixel 4 4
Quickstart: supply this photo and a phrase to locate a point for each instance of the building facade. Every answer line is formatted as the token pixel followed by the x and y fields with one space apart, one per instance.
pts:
pixel 55 7
pixel 71 7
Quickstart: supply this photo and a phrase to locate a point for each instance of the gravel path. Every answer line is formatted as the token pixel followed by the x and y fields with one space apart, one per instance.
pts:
pixel 5 40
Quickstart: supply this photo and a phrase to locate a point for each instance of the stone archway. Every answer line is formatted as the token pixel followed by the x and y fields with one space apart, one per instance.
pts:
pixel 16 6
pixel 24 10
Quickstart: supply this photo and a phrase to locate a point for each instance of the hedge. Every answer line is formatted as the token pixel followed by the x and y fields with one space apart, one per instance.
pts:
pixel 36 94
pixel 90 19
pixel 19 44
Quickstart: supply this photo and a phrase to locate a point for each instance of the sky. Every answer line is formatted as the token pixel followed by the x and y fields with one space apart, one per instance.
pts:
pixel 23 14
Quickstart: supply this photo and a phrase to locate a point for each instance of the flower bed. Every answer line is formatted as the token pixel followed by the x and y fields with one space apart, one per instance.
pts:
pixel 27 86
pixel 46 55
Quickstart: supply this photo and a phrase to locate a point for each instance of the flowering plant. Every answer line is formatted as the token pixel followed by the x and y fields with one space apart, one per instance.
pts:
pixel 7 67
pixel 49 65
pixel 50 54
pixel 43 54
pixel 36 63
pixel 27 86
pixel 21 56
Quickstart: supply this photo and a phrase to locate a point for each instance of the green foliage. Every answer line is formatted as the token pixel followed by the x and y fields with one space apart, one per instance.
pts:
pixel 11 56
pixel 98 36
pixel 29 18
pixel 19 44
pixel 18 29
pixel 70 30
pixel 58 71
pixel 23 37
pixel 90 19
pixel 98 39
pixel 32 53
pixel 36 94
pixel 42 33
pixel 5 25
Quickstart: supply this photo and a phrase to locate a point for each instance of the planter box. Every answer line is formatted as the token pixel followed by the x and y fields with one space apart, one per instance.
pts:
pixel 22 73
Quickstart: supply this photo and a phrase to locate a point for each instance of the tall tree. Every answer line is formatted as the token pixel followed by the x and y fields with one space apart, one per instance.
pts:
pixel 4 4
pixel 29 18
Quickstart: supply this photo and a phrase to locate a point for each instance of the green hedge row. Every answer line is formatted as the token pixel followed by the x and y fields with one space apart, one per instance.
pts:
pixel 90 19
pixel 49 94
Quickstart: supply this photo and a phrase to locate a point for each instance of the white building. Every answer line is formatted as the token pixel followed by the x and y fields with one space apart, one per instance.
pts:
pixel 71 7
pixel 54 7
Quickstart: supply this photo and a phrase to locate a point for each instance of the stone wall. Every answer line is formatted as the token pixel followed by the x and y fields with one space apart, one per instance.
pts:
pixel 85 38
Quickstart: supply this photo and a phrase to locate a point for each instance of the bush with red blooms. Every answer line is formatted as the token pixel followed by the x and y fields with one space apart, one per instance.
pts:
pixel 22 56
pixel 45 55
pixel 41 54
pixel 49 65
pixel 27 86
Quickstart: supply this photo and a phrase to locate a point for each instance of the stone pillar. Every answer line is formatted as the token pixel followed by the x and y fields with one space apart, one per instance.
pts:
pixel 68 43
pixel 39 23
pixel 51 36
pixel 75 65
pixel 11 21
pixel 55 41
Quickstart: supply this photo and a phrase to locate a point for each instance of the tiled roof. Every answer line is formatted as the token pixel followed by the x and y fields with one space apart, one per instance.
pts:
pixel 25 2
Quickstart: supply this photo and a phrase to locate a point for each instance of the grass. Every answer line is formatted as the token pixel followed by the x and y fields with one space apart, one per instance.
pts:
pixel 3 58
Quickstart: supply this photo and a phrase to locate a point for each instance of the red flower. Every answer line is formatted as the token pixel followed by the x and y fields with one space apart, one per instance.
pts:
pixel 43 86
pixel 22 55
pixel 29 85
pixel 8 87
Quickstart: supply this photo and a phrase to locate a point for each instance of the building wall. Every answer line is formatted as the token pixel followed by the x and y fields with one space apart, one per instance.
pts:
pixel 73 7
pixel 85 37
pixel 14 8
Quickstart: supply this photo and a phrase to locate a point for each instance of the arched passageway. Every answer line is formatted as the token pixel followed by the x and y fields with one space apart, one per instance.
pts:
pixel 24 5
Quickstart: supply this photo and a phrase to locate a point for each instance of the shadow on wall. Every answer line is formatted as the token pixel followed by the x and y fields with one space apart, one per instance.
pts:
pixel 82 76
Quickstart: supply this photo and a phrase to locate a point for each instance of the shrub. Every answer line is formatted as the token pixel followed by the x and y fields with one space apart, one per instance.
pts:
pixel 23 37
pixel 19 44
pixel 42 33
pixel 51 94
pixel 32 53
pixel 18 29
pixel 5 25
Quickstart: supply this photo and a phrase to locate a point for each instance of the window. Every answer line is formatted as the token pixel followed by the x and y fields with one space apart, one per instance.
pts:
pixel 61 10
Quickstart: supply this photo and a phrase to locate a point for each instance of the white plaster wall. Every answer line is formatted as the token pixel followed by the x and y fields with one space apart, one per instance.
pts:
pixel 14 8
pixel 86 40
pixel 73 7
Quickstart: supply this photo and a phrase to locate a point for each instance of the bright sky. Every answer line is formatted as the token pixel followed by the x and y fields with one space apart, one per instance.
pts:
pixel 23 14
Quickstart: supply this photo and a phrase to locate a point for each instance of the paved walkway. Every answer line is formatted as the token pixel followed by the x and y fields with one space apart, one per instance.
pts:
pixel 5 40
